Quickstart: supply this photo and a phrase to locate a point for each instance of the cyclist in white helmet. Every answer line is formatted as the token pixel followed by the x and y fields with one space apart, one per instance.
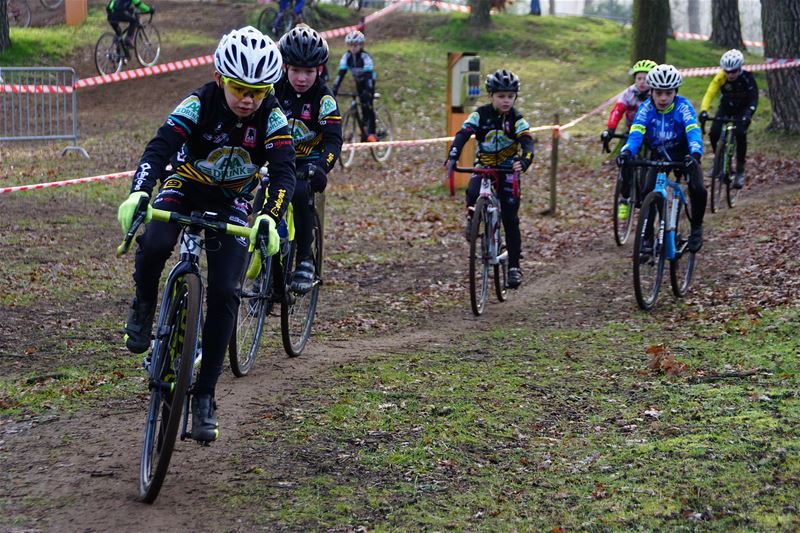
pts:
pixel 739 101
pixel 216 139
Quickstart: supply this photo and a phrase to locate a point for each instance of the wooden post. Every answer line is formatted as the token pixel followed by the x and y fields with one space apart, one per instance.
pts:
pixel 554 167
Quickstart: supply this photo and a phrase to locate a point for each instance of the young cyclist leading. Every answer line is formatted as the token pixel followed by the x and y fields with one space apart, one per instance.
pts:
pixel 504 142
pixel 216 139
pixel 316 126
pixel 739 101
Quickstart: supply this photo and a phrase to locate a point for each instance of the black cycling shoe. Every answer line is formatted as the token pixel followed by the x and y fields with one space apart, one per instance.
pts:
pixel 738 180
pixel 514 277
pixel 303 279
pixel 205 427
pixel 645 251
pixel 696 239
pixel 139 326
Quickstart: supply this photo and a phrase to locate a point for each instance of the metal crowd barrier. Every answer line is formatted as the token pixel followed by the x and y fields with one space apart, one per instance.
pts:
pixel 39 104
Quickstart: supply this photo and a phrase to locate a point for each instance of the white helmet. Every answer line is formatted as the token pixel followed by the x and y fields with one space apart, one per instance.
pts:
pixel 249 56
pixel 354 37
pixel 664 77
pixel 731 60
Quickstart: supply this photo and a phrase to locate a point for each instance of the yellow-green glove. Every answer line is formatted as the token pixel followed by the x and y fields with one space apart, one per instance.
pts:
pixel 127 210
pixel 273 242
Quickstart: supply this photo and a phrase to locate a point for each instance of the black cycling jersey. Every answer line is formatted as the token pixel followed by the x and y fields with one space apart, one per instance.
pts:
pixel 207 143
pixel 315 123
pixel 500 137
pixel 739 97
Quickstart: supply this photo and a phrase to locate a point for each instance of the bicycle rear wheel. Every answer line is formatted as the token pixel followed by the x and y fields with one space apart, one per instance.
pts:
pixel 52 4
pixel 19 14
pixel 622 228
pixel 298 309
pixel 648 251
pixel 349 136
pixel 384 131
pixel 731 194
pixel 108 54
pixel 147 44
pixel 682 267
pixel 170 374
pixel 254 303
pixel 478 258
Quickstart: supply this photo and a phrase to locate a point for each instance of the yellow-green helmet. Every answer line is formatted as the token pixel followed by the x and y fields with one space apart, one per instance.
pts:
pixel 644 65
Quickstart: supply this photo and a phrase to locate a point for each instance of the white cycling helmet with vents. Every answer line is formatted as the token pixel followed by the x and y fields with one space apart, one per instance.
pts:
pixel 664 77
pixel 249 56
pixel 731 60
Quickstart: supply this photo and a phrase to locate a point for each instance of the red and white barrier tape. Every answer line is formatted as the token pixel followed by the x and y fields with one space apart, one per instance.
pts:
pixel 64 183
pixel 145 71
pixel 699 37
pixel 369 18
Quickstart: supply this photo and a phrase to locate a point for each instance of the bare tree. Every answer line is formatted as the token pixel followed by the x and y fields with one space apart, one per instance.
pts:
pixel 651 22
pixel 726 29
pixel 552 7
pixel 479 13
pixel 5 42
pixel 693 12
pixel 780 22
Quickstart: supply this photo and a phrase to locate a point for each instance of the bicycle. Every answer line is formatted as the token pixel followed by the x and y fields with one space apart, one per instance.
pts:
pixel 176 351
pixel 660 236
pixel 486 247
pixel 52 4
pixel 275 22
pixel 723 159
pixel 273 285
pixel 353 128
pixel 622 228
pixel 18 14
pixel 111 50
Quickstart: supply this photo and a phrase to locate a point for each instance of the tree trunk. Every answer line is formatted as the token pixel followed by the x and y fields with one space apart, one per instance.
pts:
pixel 693 12
pixel 479 15
pixel 553 7
pixel 726 29
pixel 651 22
pixel 5 42
pixel 588 6
pixel 780 23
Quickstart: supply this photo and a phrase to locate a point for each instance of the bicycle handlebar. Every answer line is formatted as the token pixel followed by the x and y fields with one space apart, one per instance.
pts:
pixel 607 140
pixel 453 167
pixel 355 95
pixel 662 165
pixel 734 120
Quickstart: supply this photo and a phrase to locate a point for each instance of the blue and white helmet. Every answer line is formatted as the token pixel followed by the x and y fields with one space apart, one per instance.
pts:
pixel 249 56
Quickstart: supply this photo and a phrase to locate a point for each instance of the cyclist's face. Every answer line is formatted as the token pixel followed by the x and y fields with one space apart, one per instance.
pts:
pixel 356 48
pixel 731 75
pixel 640 80
pixel 301 78
pixel 240 100
pixel 503 101
pixel 663 98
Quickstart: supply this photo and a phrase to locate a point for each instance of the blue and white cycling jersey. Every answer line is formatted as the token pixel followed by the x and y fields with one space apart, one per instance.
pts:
pixel 673 132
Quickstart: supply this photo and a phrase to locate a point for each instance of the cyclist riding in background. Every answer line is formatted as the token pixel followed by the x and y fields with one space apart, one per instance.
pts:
pixel 316 126
pixel 739 101
pixel 363 68
pixel 667 123
pixel 627 105
pixel 298 8
pixel 216 139
pixel 125 11
pixel 504 142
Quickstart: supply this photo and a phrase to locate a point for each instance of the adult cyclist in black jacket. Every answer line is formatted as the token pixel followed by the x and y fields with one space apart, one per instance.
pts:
pixel 217 139
pixel 316 126
pixel 125 11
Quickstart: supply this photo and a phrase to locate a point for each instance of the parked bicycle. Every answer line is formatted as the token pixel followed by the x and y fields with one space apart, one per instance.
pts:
pixel 721 173
pixel 274 21
pixel 662 233
pixel 273 286
pixel 18 13
pixel 173 362
pixel 487 249
pixel 354 130
pixel 111 51
pixel 622 228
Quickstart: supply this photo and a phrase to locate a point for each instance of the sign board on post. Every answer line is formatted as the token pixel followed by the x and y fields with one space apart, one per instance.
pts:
pixel 463 89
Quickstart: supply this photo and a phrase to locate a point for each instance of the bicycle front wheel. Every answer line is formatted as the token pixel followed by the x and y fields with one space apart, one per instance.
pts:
pixel 731 194
pixel 147 44
pixel 170 375
pixel 108 55
pixel 298 309
pixel 682 267
pixel 384 131
pixel 622 228
pixel 648 251
pixel 479 258
pixel 254 303
pixel 719 177
pixel 19 14
pixel 349 136
pixel 501 268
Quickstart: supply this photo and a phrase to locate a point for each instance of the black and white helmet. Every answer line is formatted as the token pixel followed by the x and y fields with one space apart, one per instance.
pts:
pixel 354 37
pixel 249 56
pixel 664 77
pixel 502 81
pixel 303 47
pixel 731 60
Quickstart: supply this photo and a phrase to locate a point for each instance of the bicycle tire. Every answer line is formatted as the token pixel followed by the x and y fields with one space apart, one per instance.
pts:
pixel 52 4
pixel 147 44
pixel 719 176
pixel 265 19
pixel 652 210
pixel 311 16
pixel 349 136
pixel 478 260
pixel 384 131
pixel 731 194
pixel 248 329
pixel 172 369
pixel 622 229
pixel 108 57
pixel 18 14
pixel 682 267
pixel 500 273
pixel 298 310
